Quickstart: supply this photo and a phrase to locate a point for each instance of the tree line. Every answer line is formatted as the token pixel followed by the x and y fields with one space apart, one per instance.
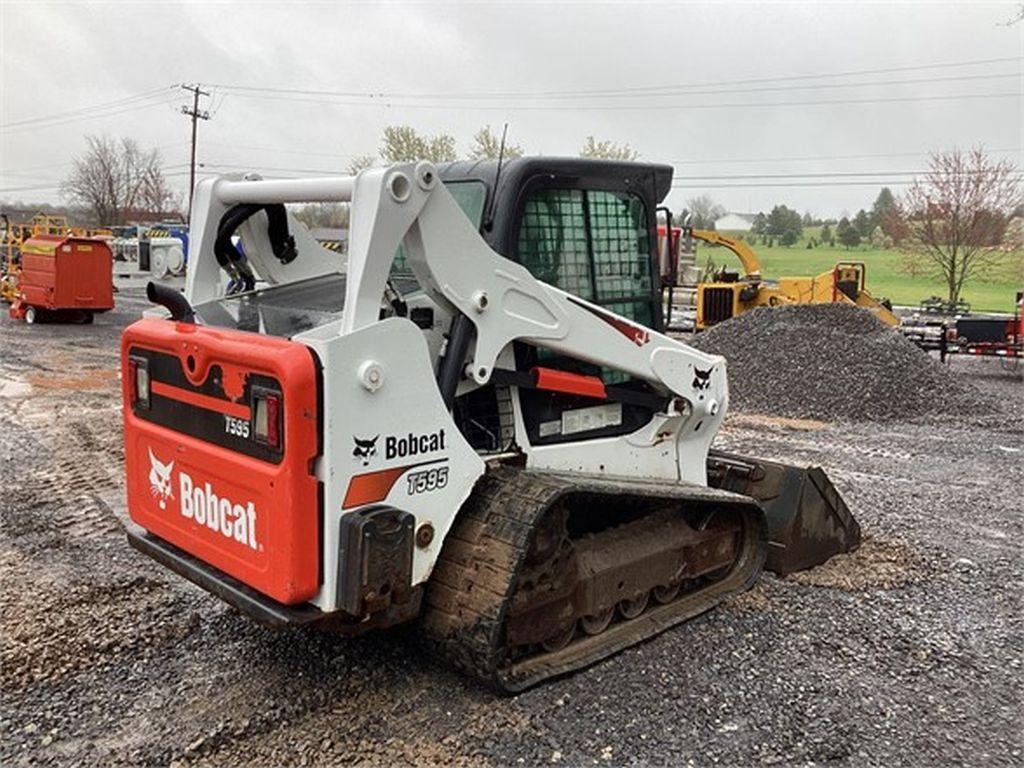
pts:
pixel 952 223
pixel 115 181
pixel 954 219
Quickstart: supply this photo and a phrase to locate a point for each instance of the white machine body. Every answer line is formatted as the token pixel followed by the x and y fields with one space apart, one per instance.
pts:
pixel 388 437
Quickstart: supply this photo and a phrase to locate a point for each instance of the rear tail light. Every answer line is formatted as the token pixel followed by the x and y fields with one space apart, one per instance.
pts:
pixel 266 418
pixel 138 373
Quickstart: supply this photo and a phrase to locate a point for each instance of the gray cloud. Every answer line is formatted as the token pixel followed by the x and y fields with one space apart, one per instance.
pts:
pixel 60 57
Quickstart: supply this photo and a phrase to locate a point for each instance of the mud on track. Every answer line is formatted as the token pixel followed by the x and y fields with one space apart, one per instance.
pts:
pixel 909 653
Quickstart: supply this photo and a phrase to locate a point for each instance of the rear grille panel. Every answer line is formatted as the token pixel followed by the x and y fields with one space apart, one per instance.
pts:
pixel 717 305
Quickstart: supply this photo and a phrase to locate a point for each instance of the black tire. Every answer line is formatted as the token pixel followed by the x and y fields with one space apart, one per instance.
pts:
pixel 31 316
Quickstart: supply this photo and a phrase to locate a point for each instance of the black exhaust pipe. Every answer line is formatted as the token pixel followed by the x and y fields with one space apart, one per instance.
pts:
pixel 175 303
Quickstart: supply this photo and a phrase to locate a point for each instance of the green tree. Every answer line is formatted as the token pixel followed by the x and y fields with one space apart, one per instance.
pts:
pixel 402 144
pixel 487 146
pixel 826 235
pixel 785 224
pixel 760 225
pixel 882 208
pixel 847 234
pixel 862 221
pixel 607 150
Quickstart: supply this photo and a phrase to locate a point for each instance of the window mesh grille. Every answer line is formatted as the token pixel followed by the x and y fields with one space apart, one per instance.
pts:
pixel 553 240
pixel 587 241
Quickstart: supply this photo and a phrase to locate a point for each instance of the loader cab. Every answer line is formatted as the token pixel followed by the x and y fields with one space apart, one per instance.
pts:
pixel 589 228
pixel 585 226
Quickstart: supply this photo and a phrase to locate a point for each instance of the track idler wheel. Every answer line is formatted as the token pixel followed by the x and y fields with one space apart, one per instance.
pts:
pixel 630 609
pixel 559 641
pixel 665 594
pixel 598 623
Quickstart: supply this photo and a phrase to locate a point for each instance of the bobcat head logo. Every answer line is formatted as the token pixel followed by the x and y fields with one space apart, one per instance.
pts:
pixel 701 379
pixel 365 449
pixel 160 480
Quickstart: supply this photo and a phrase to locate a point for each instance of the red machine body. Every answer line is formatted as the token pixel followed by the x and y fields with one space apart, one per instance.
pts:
pixel 61 273
pixel 221 437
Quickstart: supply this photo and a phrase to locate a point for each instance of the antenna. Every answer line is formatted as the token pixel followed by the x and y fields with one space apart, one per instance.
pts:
pixel 497 177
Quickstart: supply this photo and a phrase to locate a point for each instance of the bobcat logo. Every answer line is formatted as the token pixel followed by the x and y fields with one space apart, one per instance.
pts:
pixel 365 449
pixel 160 479
pixel 701 379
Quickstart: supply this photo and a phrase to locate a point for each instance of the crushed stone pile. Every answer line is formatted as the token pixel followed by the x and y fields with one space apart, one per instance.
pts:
pixel 834 362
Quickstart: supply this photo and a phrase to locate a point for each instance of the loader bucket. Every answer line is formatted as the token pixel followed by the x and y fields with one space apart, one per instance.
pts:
pixel 808 521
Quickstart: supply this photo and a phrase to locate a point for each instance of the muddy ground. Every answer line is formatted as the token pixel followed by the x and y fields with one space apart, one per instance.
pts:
pixel 907 652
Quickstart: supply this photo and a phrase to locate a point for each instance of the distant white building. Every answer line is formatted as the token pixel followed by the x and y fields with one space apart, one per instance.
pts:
pixel 734 222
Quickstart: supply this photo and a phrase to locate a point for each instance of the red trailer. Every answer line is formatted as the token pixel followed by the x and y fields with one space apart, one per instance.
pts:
pixel 64 278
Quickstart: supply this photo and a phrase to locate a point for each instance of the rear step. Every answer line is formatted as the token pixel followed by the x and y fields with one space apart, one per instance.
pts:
pixel 267 612
pixel 808 521
pixel 470 599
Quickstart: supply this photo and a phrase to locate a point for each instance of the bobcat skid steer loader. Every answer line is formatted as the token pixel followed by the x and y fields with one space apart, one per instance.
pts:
pixel 475 423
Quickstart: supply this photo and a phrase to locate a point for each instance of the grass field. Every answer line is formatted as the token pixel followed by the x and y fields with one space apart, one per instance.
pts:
pixel 993 291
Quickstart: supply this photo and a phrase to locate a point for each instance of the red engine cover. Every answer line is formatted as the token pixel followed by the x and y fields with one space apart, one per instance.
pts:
pixel 196 476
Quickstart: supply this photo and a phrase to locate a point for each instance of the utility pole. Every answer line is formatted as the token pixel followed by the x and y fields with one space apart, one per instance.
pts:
pixel 195 114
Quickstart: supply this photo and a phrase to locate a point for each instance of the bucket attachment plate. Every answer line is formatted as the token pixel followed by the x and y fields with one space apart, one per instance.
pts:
pixel 808 521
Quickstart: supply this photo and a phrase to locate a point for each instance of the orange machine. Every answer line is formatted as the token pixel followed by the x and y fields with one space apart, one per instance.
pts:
pixel 64 278
pixel 234 416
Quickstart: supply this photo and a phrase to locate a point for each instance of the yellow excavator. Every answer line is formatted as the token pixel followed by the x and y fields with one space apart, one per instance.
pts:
pixel 729 293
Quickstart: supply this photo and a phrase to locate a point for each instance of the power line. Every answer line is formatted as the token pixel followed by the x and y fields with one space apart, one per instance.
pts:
pixel 818 175
pixel 773 185
pixel 724 161
pixel 246 91
pixel 642 107
pixel 636 89
pixel 269 169
pixel 138 106
pixel 105 105
pixel 280 150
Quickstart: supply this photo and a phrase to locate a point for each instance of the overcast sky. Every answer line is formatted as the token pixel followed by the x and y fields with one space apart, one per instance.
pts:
pixel 661 73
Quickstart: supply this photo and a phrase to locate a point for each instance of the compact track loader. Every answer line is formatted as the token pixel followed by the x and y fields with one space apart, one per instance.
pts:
pixel 476 423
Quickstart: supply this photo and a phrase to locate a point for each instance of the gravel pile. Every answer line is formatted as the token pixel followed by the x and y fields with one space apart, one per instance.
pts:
pixel 834 362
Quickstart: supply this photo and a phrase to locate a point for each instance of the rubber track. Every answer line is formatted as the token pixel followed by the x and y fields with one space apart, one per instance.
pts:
pixel 474 578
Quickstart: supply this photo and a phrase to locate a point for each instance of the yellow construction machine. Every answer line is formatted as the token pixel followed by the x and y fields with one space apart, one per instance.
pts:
pixel 729 293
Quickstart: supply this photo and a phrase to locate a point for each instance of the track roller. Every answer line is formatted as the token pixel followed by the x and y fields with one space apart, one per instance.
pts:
pixel 543 574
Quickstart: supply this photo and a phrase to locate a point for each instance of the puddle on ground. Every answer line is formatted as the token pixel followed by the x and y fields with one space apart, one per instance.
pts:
pixel 14 387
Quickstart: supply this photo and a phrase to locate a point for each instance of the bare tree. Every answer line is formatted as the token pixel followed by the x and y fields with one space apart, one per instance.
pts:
pixel 487 146
pixel 958 212
pixel 360 163
pixel 117 181
pixel 326 215
pixel 703 211
pixel 608 150
pixel 401 144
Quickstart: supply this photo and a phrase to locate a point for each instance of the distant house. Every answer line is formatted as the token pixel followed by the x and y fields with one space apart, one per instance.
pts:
pixel 734 222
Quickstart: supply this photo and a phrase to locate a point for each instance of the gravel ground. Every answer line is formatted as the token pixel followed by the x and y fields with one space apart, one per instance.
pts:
pixel 906 653
pixel 859 368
